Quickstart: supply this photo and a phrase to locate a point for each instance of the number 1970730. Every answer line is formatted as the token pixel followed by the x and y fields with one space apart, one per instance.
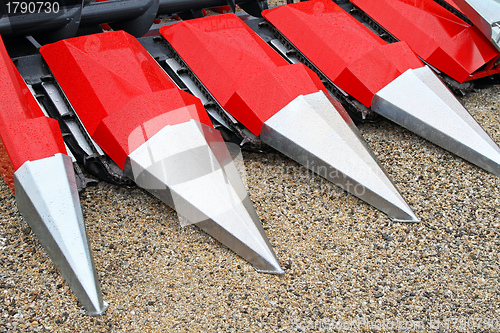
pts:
pixel 32 7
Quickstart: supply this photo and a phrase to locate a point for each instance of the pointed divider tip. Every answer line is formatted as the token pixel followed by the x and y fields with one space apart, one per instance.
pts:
pixel 316 131
pixel 188 167
pixel 47 197
pixel 420 102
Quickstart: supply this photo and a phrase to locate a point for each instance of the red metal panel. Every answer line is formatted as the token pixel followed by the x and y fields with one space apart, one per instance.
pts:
pixel 117 88
pixel 436 35
pixel 26 134
pixel 348 53
pixel 246 76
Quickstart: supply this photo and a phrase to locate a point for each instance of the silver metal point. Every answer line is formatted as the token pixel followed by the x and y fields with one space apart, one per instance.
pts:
pixel 47 197
pixel 316 132
pixel 420 102
pixel 485 14
pixel 188 167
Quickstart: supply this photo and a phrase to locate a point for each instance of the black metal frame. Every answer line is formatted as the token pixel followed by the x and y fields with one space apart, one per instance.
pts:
pixel 133 16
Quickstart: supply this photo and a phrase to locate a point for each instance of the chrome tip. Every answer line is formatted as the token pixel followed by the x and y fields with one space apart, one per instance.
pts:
pixel 188 167
pixel 47 197
pixel 411 219
pixel 98 311
pixel 317 132
pixel 420 102
pixel 275 269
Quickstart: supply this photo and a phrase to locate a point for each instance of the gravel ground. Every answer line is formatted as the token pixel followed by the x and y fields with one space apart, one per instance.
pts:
pixel 346 263
pixel 348 267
